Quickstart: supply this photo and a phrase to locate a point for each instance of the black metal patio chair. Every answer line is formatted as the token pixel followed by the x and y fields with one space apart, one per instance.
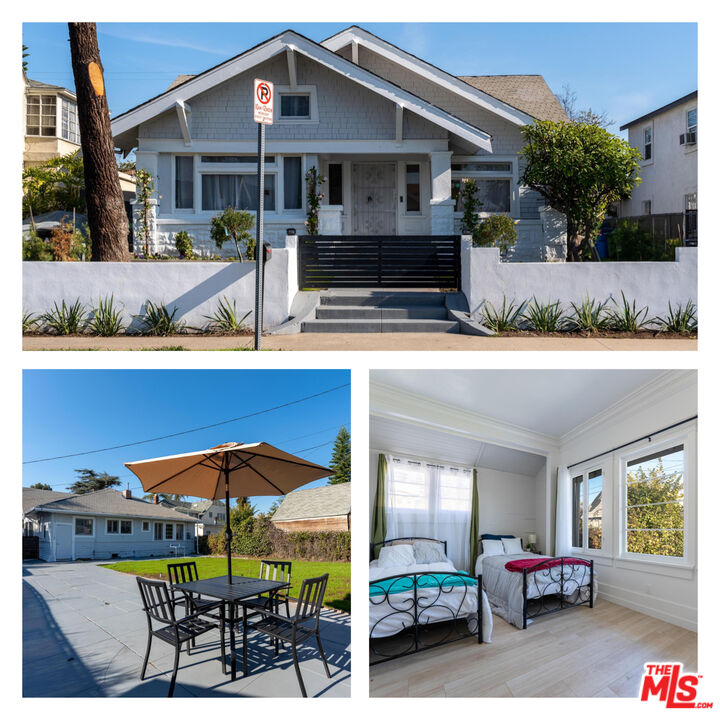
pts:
pixel 159 607
pixel 304 625
pixel 278 570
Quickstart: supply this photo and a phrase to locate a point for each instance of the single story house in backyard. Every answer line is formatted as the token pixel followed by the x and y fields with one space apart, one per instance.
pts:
pixel 393 135
pixel 323 508
pixel 104 524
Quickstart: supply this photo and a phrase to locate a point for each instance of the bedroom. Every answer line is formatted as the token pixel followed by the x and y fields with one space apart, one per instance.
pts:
pixel 595 470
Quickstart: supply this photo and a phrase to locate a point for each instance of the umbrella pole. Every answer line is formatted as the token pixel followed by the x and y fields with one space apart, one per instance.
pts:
pixel 228 531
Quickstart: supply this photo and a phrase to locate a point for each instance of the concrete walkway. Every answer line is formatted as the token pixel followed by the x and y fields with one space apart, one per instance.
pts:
pixel 84 635
pixel 359 341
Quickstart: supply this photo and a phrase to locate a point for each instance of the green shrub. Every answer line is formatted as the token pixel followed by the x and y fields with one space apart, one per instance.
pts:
pixel 234 225
pixel 252 537
pixel 36 249
pixel 184 245
pixel 471 204
pixel 495 231
pixel 216 544
pixel 545 317
pixel 628 318
pixel 29 322
pixel 158 320
pixel 629 242
pixel 226 320
pixel 589 315
pixel 679 319
pixel 106 319
pixel 504 318
pixel 64 319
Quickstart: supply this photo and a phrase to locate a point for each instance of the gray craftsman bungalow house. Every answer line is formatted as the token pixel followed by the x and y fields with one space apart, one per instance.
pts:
pixel 103 525
pixel 393 135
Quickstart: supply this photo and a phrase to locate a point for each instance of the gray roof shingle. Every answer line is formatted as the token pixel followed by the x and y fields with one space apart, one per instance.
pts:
pixel 326 501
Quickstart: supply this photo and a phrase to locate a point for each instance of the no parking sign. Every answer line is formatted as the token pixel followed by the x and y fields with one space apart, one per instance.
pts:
pixel 263 102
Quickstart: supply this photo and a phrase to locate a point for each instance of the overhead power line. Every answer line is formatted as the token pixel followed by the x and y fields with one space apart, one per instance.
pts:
pixel 186 432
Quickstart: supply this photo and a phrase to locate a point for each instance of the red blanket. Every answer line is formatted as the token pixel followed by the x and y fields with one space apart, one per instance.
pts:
pixel 520 565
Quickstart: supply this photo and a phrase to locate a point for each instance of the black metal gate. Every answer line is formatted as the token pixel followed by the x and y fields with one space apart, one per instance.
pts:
pixel 397 261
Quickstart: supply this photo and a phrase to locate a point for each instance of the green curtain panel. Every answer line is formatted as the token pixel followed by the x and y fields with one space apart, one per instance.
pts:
pixel 379 520
pixel 474 524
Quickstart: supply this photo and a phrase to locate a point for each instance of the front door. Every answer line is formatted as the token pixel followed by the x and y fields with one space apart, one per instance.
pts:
pixel 63 541
pixel 374 207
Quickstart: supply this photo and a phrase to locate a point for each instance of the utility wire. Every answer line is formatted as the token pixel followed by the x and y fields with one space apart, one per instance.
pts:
pixel 186 432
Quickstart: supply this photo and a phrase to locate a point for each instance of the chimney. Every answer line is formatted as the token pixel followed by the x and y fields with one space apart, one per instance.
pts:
pixel 156 499
pixel 127 494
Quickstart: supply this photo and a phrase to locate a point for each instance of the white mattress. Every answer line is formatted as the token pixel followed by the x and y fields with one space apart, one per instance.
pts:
pixel 504 588
pixel 390 616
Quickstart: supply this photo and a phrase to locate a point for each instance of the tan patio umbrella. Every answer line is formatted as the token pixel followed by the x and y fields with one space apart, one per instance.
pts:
pixel 228 470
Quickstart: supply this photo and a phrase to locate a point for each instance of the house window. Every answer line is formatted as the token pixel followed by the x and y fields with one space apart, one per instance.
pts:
pixel 494 194
pixel 168 531
pixel 647 207
pixel 112 527
pixel 70 129
pixel 184 182
pixel 158 531
pixel 692 120
pixel 238 159
pixel 647 143
pixel 292 184
pixel 587 510
pixel 691 201
pixel 335 183
pixel 238 191
pixel 412 188
pixel 295 106
pixel 84 526
pixel 41 115
pixel 653 504
pixel 126 527
pixel 146 526
pixel 179 532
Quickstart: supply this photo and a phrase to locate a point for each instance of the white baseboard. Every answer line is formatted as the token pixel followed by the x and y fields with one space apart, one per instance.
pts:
pixel 674 613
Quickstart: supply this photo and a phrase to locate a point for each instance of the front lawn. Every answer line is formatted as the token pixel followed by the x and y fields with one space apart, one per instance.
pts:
pixel 337 594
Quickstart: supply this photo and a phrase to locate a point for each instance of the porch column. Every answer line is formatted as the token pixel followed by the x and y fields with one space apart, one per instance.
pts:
pixel 441 202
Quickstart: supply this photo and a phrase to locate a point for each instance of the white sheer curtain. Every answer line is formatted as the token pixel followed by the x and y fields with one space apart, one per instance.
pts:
pixel 430 500
pixel 563 521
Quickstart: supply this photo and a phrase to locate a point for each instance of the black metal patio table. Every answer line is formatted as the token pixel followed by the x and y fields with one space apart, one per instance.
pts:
pixel 241 588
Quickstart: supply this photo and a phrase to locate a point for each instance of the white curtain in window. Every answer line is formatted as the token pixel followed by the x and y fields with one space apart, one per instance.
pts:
pixel 563 519
pixel 430 500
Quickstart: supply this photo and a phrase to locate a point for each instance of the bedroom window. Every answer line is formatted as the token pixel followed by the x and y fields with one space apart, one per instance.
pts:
pixel 654 504
pixel 587 510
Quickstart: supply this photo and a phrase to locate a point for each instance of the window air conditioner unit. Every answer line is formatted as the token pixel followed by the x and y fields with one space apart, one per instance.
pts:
pixel 688 138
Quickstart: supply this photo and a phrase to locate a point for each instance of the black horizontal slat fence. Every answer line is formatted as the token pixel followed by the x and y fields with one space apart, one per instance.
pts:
pixel 406 261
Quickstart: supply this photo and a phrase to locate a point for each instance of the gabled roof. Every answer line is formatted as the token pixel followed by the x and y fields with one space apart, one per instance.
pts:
pixel 293 41
pixel 662 109
pixel 326 501
pixel 37 85
pixel 102 502
pixel 460 85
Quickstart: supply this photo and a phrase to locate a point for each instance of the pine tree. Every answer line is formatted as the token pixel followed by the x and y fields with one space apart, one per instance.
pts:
pixel 90 481
pixel 41 486
pixel 340 462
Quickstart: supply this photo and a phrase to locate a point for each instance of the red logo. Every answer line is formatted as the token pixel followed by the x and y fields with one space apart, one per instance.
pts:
pixel 670 685
pixel 263 93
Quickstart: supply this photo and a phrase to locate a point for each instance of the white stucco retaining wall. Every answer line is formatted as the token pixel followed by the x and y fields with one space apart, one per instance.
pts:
pixel 653 284
pixel 195 288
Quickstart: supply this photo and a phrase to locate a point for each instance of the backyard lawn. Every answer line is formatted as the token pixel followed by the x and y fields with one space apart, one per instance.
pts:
pixel 337 594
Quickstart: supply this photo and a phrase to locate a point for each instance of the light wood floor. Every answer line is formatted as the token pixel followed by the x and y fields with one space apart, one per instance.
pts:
pixel 576 653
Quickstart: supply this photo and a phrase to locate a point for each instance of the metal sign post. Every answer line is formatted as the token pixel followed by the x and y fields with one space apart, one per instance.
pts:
pixel 263 115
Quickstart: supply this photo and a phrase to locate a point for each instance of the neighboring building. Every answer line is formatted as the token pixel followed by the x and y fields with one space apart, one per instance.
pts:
pixel 393 135
pixel 667 139
pixel 323 508
pixel 103 525
pixel 209 514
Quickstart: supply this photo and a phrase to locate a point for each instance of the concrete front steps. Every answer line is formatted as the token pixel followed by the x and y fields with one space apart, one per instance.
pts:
pixel 375 311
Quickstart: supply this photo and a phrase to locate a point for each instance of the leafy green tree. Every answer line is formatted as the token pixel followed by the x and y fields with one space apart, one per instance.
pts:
pixel 580 169
pixel 234 225
pixel 24 55
pixel 56 184
pixel 41 486
pixel 340 461
pixel 90 481
pixel 164 496
pixel 242 511
pixel 661 515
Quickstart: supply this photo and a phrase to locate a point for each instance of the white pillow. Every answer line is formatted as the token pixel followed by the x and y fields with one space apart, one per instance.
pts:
pixel 512 546
pixel 428 552
pixel 493 547
pixel 396 555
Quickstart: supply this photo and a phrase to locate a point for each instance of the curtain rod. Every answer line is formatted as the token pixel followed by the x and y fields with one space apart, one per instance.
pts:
pixel 632 442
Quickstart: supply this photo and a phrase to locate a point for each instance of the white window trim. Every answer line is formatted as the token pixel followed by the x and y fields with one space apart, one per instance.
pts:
pixel 688 126
pixel 109 520
pixel 311 90
pixel 513 177
pixel 132 527
pixel 75 534
pixel 651 159
pixel 162 534
pixel 686 438
pixel 604 465
pixel 150 526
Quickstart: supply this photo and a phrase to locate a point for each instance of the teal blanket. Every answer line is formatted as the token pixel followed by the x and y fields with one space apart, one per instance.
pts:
pixel 405 584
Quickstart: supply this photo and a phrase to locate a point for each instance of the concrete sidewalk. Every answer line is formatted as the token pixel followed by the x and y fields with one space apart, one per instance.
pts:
pixel 358 341
pixel 85 633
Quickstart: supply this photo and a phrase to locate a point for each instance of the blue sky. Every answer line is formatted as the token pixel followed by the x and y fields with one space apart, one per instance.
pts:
pixel 68 411
pixel 627 69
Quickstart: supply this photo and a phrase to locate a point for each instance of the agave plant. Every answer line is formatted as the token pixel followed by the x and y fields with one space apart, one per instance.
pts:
pixel 545 317
pixel 30 321
pixel 628 317
pixel 158 320
pixel 679 319
pixel 106 319
pixel 503 318
pixel 64 319
pixel 225 319
pixel 589 315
